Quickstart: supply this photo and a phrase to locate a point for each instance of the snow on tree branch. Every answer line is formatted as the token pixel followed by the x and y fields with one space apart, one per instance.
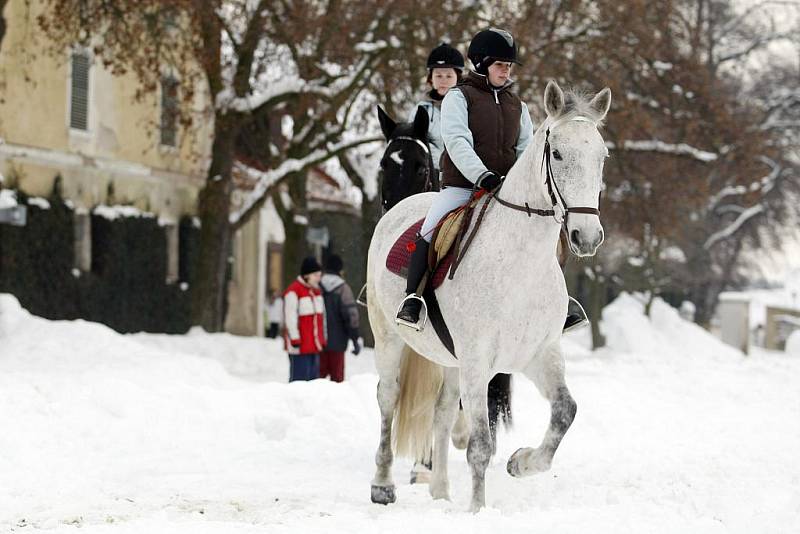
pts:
pixel 265 180
pixel 681 149
pixel 764 184
pixel 227 100
pixel 731 229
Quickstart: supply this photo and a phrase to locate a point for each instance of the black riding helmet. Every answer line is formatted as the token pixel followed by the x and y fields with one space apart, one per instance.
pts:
pixel 489 46
pixel 445 56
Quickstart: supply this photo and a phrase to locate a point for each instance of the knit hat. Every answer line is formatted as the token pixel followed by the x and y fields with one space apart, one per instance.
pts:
pixel 489 46
pixel 445 56
pixel 334 264
pixel 309 265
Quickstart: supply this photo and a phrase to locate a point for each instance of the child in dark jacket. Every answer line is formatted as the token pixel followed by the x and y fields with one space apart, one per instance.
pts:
pixel 341 316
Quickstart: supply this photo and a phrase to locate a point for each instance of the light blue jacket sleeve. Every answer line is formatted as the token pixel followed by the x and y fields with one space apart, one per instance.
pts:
pixel 457 136
pixel 525 131
pixel 434 129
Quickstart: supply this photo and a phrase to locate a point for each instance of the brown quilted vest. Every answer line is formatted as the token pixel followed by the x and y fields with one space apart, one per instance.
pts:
pixel 494 117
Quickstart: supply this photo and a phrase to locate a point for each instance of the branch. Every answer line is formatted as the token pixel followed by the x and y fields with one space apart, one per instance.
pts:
pixel 681 149
pixel 725 233
pixel 267 181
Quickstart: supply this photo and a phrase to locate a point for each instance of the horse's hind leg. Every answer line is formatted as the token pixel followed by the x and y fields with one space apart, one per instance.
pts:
pixel 547 373
pixel 479 450
pixel 388 357
pixel 443 418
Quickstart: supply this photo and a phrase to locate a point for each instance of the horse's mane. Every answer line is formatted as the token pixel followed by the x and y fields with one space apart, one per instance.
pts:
pixel 577 103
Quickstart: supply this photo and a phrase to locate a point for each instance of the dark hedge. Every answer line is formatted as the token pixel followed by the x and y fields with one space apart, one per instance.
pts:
pixel 126 288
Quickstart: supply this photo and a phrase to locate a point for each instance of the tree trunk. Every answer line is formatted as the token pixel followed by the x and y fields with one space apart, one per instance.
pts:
pixel 295 247
pixel 209 288
pixel 597 300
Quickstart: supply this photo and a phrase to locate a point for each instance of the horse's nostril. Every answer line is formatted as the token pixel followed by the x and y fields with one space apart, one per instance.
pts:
pixel 573 236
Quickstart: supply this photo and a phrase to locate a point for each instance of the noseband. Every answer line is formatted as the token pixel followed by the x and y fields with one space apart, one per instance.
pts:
pixel 426 149
pixel 556 198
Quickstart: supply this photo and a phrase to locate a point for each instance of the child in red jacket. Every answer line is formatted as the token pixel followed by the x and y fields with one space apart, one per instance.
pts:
pixel 304 320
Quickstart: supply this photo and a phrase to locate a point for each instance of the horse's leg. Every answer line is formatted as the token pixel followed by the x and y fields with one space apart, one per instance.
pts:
pixel 443 418
pixel 388 357
pixel 479 450
pixel 547 373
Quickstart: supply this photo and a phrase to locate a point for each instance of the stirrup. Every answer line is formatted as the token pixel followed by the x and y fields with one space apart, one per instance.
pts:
pixel 581 311
pixel 361 299
pixel 419 326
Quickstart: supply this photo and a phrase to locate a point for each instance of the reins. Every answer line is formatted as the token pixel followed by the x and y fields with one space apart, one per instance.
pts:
pixel 552 190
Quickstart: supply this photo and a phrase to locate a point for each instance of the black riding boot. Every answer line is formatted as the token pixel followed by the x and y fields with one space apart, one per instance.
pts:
pixel 417 267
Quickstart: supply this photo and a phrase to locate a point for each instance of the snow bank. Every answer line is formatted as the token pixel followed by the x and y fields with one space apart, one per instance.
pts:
pixel 665 334
pixel 793 344
pixel 201 434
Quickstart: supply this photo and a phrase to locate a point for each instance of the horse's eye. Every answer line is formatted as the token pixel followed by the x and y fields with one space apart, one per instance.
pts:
pixel 557 155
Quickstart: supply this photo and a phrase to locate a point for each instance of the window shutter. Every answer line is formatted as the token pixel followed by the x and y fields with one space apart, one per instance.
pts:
pixel 79 95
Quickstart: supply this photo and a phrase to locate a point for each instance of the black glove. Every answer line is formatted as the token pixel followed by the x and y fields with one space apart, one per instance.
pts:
pixel 489 180
pixel 356 347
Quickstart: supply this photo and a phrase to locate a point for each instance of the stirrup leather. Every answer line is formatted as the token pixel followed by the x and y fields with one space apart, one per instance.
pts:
pixel 361 299
pixel 419 326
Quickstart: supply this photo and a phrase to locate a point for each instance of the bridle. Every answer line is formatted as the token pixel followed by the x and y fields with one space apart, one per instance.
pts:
pixel 426 149
pixel 556 198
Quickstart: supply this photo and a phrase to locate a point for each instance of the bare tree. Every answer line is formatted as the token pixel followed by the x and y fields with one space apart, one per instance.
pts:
pixel 250 58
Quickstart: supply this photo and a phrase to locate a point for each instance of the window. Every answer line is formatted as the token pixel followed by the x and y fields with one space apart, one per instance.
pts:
pixel 83 241
pixel 169 111
pixel 79 91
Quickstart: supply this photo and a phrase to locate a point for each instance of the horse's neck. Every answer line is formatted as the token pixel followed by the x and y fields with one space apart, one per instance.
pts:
pixel 525 185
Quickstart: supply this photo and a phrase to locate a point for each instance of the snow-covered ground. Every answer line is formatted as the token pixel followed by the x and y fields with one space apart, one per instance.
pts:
pixel 101 432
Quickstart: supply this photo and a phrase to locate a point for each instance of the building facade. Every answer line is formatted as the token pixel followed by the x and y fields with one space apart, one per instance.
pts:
pixel 71 129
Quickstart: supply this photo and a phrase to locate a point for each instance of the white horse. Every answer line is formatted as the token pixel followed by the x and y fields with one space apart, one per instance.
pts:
pixel 505 306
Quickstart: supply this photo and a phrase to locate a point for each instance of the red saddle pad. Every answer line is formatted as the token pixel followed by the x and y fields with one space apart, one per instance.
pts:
pixel 399 256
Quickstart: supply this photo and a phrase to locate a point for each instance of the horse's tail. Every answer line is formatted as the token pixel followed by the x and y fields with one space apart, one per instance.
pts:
pixel 420 383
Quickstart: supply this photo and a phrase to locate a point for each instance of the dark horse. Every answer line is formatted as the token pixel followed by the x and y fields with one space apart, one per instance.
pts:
pixel 407 169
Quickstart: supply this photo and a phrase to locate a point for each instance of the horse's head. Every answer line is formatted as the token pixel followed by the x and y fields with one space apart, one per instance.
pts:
pixel 576 156
pixel 406 165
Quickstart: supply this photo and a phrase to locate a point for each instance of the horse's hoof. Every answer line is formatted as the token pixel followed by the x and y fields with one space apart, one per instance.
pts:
pixel 383 494
pixel 527 461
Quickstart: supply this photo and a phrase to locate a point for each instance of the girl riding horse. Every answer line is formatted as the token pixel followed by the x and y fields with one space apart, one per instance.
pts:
pixel 485 128
pixel 444 65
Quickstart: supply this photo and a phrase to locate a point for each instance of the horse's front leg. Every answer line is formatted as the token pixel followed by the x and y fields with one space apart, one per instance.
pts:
pixel 389 354
pixel 443 419
pixel 479 449
pixel 548 375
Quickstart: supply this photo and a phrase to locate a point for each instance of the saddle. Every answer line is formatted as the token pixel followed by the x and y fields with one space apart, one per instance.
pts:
pixel 440 255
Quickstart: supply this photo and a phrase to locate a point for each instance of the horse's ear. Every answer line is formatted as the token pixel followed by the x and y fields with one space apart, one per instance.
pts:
pixel 421 121
pixel 553 99
pixel 387 124
pixel 601 103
